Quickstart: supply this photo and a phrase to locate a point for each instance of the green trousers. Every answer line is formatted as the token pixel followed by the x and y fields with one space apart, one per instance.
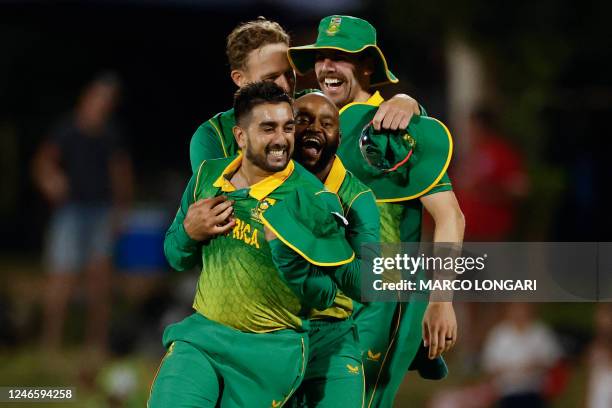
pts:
pixel 334 373
pixel 391 339
pixel 211 365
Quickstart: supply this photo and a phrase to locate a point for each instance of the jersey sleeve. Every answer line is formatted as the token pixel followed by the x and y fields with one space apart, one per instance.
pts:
pixel 309 283
pixel 443 185
pixel 181 251
pixel 205 144
pixel 363 228
pixel 364 221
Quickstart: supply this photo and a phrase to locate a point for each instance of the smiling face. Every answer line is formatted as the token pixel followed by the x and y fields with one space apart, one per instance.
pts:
pixel 342 76
pixel 317 133
pixel 266 136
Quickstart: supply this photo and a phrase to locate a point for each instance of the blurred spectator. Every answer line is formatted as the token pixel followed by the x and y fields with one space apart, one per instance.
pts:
pixel 490 181
pixel 518 354
pixel 84 172
pixel 600 360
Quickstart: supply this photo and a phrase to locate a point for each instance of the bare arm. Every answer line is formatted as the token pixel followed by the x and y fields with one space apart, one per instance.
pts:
pixel 122 179
pixel 396 113
pixel 48 174
pixel 439 322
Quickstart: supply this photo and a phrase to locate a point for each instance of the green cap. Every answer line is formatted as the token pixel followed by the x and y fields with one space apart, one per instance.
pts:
pixel 397 166
pixel 311 224
pixel 348 34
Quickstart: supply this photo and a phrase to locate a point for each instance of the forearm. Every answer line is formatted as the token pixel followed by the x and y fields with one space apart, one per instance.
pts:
pixel 309 283
pixel 181 251
pixel 450 228
pixel 448 234
pixel 122 180
pixel 348 278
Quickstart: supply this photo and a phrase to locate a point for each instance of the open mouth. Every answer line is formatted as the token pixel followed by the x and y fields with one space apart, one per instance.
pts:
pixel 277 153
pixel 311 146
pixel 332 84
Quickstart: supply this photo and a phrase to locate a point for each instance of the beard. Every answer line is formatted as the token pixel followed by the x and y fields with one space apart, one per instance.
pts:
pixel 260 159
pixel 328 151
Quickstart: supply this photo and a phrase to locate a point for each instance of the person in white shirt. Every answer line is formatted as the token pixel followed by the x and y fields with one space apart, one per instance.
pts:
pixel 518 353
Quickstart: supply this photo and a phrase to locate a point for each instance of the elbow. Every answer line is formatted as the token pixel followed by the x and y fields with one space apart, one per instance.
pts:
pixel 459 220
pixel 173 260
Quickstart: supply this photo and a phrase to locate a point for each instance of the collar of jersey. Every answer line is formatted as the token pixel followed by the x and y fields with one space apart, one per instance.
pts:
pixel 374 100
pixel 259 190
pixel 336 176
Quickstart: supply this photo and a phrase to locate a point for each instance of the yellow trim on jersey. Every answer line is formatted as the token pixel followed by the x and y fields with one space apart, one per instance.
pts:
pixel 259 190
pixel 218 134
pixel 222 182
pixel 302 254
pixel 375 100
pixel 355 198
pixel 435 182
pixel 195 188
pixel 336 176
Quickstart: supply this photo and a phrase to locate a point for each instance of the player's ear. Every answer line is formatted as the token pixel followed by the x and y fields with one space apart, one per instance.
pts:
pixel 238 77
pixel 240 136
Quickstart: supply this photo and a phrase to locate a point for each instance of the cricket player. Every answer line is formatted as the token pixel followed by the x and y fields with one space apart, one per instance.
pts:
pixel 334 373
pixel 247 344
pixel 257 51
pixel 348 64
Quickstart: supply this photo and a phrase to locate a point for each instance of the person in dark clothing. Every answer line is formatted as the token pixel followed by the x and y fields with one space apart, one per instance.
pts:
pixel 85 173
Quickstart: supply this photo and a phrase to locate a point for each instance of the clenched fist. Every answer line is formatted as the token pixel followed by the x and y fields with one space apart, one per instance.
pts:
pixel 209 217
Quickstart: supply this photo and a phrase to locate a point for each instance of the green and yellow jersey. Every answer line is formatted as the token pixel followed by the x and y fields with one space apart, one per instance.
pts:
pixel 213 139
pixel 239 285
pixel 359 207
pixel 400 221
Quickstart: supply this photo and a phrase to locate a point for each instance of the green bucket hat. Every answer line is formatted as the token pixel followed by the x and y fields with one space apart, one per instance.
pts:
pixel 311 224
pixel 348 34
pixel 397 166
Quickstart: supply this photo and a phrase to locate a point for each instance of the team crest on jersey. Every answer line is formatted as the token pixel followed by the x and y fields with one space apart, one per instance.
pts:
pixel 261 207
pixel 334 26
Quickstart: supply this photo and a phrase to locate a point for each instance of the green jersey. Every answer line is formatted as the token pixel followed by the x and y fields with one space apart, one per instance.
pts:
pixel 359 206
pixel 400 220
pixel 213 139
pixel 239 285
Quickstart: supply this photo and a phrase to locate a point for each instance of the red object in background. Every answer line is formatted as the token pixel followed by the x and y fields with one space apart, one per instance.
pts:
pixel 489 182
pixel 557 380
